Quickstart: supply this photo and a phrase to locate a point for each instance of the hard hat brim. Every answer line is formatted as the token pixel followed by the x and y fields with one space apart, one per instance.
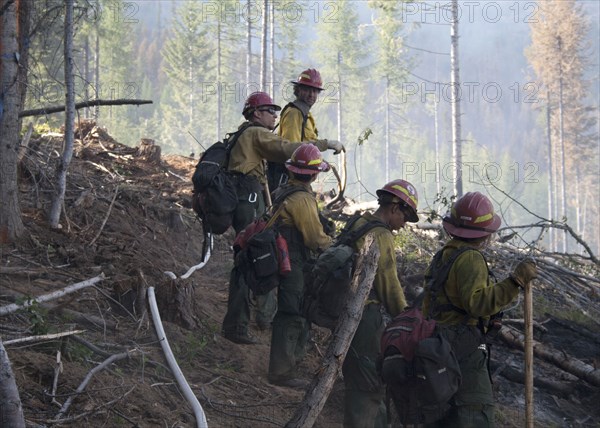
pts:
pixel 293 82
pixel 471 232
pixel 323 167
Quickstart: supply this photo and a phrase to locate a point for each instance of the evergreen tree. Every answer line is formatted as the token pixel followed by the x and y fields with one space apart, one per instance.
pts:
pixel 341 107
pixel 558 55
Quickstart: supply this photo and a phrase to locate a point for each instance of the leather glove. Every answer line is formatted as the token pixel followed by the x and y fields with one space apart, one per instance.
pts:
pixel 524 272
pixel 336 146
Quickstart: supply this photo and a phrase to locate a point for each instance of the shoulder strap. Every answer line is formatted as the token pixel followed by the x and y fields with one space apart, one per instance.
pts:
pixel 285 191
pixel 349 236
pixel 440 276
pixel 231 138
pixel 304 116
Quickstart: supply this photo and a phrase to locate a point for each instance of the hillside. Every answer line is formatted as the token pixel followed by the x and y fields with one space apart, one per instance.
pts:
pixel 127 216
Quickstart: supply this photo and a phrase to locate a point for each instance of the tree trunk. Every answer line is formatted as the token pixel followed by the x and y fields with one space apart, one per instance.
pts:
pixel 387 129
pixel 263 47
pixel 272 50
pixel 455 84
pixel 67 155
pixel 307 412
pixel 551 232
pixel 248 47
pixel 219 30
pixel 24 20
pixel 11 224
pixel 11 410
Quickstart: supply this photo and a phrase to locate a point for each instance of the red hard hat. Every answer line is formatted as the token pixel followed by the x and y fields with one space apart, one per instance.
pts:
pixel 472 216
pixel 310 77
pixel 307 159
pixel 406 192
pixel 259 99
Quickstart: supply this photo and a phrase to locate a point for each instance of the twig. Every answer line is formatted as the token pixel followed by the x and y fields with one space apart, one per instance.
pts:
pixel 91 412
pixel 88 378
pixel 91 346
pixel 8 309
pixel 177 175
pixel 107 215
pixel 57 370
pixel 42 337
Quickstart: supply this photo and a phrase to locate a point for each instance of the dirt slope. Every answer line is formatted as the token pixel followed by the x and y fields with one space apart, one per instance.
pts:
pixel 128 216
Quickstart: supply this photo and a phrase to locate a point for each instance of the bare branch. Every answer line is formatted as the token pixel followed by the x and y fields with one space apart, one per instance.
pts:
pixel 83 104
pixel 88 378
pixel 8 309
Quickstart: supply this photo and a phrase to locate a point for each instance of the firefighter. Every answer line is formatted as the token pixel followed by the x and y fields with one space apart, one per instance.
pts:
pixel 300 225
pixel 464 307
pixel 247 166
pixel 296 122
pixel 364 396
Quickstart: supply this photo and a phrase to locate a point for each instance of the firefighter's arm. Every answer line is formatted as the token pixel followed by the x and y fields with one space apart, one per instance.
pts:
pixel 386 283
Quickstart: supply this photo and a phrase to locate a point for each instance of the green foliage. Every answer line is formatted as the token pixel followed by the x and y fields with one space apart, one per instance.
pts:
pixel 440 206
pixel 77 352
pixel 36 315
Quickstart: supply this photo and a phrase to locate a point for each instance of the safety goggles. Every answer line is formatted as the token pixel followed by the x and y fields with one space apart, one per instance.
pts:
pixel 271 110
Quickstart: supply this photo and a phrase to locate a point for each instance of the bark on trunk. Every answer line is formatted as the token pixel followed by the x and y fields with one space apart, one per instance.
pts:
pixel 67 155
pixel 11 410
pixel 320 388
pixel 149 151
pixel 11 224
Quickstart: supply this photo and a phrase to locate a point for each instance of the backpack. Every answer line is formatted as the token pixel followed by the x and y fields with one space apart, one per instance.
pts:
pixel 327 279
pixel 215 196
pixel 262 252
pixel 417 362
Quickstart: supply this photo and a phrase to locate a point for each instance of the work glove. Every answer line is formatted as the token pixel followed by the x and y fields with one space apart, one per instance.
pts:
pixel 336 146
pixel 524 272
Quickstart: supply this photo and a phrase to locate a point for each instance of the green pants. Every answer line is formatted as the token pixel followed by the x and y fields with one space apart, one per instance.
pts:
pixel 290 328
pixel 237 317
pixel 364 393
pixel 473 404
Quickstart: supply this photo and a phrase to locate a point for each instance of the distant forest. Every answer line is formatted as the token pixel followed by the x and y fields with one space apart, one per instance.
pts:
pixel 529 90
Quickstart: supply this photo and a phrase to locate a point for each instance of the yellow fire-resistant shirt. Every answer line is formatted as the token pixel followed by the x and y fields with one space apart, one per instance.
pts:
pixel 290 124
pixel 386 284
pixel 469 287
pixel 301 212
pixel 256 144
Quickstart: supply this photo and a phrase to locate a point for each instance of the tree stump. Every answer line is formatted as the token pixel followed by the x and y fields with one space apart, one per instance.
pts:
pixel 149 151
pixel 175 301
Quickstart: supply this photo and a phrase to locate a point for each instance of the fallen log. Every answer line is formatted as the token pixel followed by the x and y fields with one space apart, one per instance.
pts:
pixel 42 337
pixel 88 320
pixel 307 412
pixel 13 307
pixel 563 389
pixel 564 361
